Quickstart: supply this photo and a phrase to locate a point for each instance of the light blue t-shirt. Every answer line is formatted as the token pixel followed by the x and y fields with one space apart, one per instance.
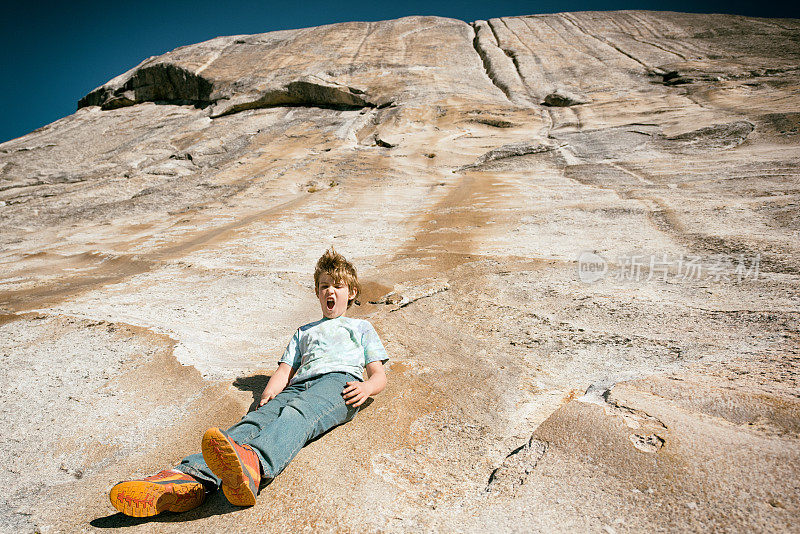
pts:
pixel 333 345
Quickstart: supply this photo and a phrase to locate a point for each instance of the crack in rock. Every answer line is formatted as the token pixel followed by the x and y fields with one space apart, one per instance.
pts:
pixel 307 92
pixel 405 294
pixel 381 142
pixel 599 392
pixel 511 150
pixel 717 136
pixel 496 64
pixel 516 467
pixel 496 123
pixel 564 98
pixel 604 144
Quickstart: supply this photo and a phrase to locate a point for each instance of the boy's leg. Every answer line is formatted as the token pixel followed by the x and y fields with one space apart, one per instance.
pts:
pixel 248 427
pixel 254 422
pixel 315 407
pixel 172 490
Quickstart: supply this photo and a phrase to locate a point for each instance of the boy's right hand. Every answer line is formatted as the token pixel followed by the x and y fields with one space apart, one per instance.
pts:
pixel 266 397
pixel 277 382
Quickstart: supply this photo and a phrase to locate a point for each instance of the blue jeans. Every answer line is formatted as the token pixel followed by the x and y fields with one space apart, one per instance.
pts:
pixel 279 429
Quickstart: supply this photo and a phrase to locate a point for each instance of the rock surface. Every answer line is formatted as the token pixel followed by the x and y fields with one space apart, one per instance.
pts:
pixel 595 315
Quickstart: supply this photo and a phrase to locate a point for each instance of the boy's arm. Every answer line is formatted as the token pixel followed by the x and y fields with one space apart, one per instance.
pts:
pixel 277 382
pixel 357 392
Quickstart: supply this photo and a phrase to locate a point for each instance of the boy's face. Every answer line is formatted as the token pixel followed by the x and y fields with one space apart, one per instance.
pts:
pixel 333 296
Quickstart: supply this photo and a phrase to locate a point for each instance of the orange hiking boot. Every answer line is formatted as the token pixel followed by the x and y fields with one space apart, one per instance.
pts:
pixel 168 490
pixel 236 465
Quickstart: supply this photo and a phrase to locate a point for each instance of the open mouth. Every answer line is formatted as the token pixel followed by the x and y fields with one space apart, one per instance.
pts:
pixel 329 303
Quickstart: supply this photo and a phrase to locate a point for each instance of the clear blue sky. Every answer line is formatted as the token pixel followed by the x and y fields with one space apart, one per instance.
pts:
pixel 53 53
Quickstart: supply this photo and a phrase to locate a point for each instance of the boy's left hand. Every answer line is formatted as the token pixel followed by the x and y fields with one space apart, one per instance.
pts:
pixel 356 393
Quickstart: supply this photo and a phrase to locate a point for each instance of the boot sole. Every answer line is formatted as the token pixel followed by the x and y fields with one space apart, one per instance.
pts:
pixel 140 498
pixel 225 463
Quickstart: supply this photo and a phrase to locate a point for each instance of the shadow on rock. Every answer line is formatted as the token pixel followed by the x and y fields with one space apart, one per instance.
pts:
pixel 215 504
pixel 254 384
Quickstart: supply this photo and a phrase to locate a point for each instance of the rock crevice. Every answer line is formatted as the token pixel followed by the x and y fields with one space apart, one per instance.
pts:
pixel 516 467
pixel 498 65
pixel 307 93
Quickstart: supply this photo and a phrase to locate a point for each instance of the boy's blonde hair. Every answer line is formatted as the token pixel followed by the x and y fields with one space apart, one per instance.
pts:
pixel 338 268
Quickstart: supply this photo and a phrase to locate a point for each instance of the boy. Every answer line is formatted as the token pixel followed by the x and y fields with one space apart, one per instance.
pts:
pixel 317 386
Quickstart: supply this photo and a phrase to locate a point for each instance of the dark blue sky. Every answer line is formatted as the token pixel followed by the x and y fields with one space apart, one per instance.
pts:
pixel 55 53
